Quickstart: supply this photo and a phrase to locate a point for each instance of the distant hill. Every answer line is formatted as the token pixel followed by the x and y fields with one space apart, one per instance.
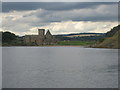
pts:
pixel 81 36
pixel 112 39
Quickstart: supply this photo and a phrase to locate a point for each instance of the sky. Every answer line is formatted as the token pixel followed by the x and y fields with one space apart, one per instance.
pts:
pixel 60 0
pixel 24 18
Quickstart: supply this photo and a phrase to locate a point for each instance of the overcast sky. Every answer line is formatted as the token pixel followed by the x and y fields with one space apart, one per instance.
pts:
pixel 60 0
pixel 60 17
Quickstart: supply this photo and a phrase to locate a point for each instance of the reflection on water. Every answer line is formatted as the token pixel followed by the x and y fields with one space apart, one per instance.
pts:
pixel 59 67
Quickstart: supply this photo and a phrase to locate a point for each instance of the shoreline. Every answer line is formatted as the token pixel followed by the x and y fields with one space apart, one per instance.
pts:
pixel 63 46
pixel 83 46
pixel 48 46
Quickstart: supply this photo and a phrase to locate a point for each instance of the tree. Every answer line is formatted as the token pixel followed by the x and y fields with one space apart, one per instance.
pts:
pixel 8 37
pixel 113 31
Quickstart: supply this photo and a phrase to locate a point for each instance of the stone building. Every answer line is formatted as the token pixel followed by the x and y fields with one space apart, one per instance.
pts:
pixel 40 39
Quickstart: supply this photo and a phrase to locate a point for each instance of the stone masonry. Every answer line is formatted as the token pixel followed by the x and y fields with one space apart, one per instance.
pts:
pixel 40 39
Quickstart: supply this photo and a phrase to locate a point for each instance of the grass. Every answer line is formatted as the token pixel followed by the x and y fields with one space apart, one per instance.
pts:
pixel 76 43
pixel 110 42
pixel 61 43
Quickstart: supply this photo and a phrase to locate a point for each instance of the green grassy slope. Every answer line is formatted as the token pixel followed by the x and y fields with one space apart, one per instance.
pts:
pixel 110 42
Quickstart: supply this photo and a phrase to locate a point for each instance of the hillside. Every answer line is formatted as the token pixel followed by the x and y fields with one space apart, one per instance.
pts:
pixel 81 36
pixel 111 40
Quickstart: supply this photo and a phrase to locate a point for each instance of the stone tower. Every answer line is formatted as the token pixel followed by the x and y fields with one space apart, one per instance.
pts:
pixel 41 32
pixel 40 39
pixel 48 38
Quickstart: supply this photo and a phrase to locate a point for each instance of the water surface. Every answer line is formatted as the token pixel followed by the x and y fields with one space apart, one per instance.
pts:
pixel 59 67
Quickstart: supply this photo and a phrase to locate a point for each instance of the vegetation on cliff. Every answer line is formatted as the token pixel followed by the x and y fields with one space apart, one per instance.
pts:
pixel 111 39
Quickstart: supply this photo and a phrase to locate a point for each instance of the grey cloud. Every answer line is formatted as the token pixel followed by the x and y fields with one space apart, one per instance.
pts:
pixel 42 17
pixel 23 20
pixel 57 6
pixel 100 13
pixel 61 1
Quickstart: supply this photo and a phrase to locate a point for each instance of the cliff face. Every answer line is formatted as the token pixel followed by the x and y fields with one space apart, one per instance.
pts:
pixel 112 39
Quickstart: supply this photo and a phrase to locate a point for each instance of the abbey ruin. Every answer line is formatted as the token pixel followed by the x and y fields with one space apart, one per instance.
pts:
pixel 40 39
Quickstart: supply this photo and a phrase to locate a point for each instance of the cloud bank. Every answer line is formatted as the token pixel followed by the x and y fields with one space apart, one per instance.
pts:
pixel 60 18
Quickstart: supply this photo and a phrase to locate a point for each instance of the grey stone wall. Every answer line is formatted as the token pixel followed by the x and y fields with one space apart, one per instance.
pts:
pixel 40 39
